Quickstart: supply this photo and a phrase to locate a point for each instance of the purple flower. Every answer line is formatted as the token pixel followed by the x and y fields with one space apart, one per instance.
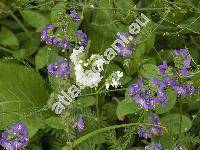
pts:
pixel 61 69
pixel 155 119
pixel 128 49
pixel 144 133
pixel 80 124
pixel 60 43
pixel 154 146
pixel 16 137
pixel 181 89
pixel 150 129
pixel 183 61
pixel 179 52
pixel 44 35
pixel 191 90
pixel 83 36
pixel 162 68
pixel 170 81
pixel 143 95
pixel 75 16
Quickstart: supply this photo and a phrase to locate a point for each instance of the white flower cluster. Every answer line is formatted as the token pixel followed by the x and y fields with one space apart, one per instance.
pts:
pixel 113 80
pixel 86 78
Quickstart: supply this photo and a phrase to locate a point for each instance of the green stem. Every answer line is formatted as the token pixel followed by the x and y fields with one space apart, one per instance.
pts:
pixel 20 24
pixel 89 135
pixel 98 119
pixel 180 126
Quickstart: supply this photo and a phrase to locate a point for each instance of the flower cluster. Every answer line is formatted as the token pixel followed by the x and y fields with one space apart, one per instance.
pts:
pixel 126 48
pixel 154 146
pixel 182 65
pixel 182 61
pixel 16 137
pixel 83 38
pixel 86 78
pixel 61 69
pixel 113 80
pixel 75 16
pixel 47 36
pixel 150 129
pixel 148 93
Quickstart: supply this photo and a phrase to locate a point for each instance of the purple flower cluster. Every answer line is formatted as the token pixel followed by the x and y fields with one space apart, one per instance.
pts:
pixel 61 69
pixel 182 61
pixel 148 97
pixel 151 130
pixel 75 16
pixel 16 137
pixel 154 146
pixel 83 38
pixel 80 124
pixel 180 89
pixel 61 43
pixel 128 49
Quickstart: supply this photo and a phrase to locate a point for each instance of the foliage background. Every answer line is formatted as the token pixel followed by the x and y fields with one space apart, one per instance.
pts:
pixel 25 86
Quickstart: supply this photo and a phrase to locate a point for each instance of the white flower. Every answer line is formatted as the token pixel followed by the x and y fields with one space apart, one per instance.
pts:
pixel 87 78
pixel 113 80
pixel 74 55
pixel 97 61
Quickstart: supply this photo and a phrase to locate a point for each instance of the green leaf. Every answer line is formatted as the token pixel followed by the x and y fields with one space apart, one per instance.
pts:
pixel 56 10
pixel 86 101
pixel 23 96
pixel 7 38
pixel 150 71
pixel 149 43
pixel 55 122
pixel 171 96
pixel 41 58
pixel 34 19
pixel 172 123
pixel 127 106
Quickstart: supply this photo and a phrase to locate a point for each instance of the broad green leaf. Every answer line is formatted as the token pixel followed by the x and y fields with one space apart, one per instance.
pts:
pixel 150 71
pixel 56 11
pixel 171 96
pixel 127 106
pixel 55 122
pixel 22 96
pixel 42 57
pixel 172 123
pixel 28 47
pixel 7 38
pixel 86 101
pixel 34 19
